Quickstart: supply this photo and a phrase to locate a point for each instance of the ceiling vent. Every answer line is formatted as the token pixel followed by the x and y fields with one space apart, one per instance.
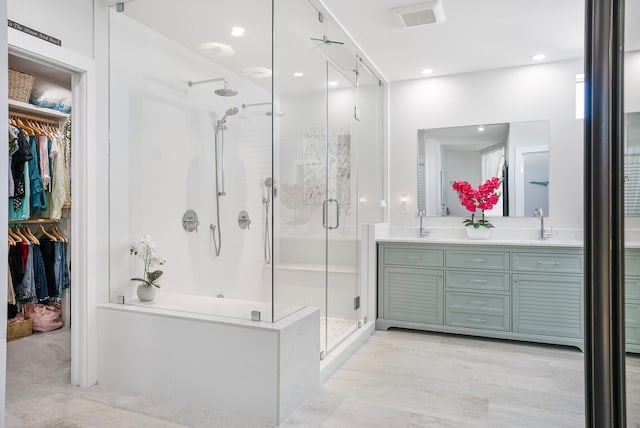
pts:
pixel 425 13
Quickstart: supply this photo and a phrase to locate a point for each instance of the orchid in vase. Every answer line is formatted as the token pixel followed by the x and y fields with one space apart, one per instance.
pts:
pixel 145 248
pixel 485 197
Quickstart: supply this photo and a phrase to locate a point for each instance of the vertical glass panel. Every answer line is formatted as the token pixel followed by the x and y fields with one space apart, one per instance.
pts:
pixel 632 209
pixel 342 207
pixel 300 153
pixel 370 158
pixel 178 150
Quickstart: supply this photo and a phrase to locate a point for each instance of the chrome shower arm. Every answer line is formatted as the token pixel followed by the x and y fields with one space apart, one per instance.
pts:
pixel 218 79
pixel 268 103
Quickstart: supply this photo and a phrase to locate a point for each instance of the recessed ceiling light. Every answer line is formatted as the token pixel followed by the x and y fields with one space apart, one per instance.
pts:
pixel 298 74
pixel 333 83
pixel 427 71
pixel 480 128
pixel 237 31
pixel 538 57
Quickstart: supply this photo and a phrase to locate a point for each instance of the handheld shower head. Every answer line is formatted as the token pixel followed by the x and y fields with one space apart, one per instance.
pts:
pixel 225 92
pixel 268 184
pixel 230 112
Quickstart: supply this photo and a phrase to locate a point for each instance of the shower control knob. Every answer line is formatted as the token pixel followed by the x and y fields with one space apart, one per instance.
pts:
pixel 243 220
pixel 190 221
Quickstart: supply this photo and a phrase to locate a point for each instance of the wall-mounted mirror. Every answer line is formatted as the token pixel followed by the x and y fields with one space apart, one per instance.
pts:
pixel 516 152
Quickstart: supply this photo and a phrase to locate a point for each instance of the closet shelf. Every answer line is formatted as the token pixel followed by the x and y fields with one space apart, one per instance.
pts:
pixel 18 106
pixel 35 221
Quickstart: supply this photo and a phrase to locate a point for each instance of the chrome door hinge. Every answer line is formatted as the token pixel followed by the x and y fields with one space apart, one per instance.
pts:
pixel 356 113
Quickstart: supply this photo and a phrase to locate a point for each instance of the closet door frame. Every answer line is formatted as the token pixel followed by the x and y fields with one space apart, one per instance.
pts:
pixel 84 278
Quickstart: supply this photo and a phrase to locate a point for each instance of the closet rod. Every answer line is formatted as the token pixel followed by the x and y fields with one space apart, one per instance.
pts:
pixel 34 221
pixel 33 117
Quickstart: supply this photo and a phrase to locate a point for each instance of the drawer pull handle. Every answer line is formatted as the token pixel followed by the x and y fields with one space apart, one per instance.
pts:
pixel 477 281
pixel 540 262
pixel 412 258
pixel 477 260
pixel 476 320
pixel 477 302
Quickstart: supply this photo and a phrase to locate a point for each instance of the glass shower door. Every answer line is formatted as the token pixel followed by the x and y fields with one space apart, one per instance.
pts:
pixel 340 207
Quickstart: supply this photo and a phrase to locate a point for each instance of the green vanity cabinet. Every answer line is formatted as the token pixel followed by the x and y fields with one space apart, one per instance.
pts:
pixel 502 291
pixel 513 292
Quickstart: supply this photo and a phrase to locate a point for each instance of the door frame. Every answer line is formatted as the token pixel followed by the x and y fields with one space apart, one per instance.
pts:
pixel 84 345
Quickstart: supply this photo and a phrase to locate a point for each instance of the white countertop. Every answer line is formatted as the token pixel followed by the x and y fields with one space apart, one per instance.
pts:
pixel 490 241
pixel 523 237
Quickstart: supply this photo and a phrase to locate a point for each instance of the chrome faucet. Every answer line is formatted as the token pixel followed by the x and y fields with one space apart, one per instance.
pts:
pixel 538 212
pixel 422 214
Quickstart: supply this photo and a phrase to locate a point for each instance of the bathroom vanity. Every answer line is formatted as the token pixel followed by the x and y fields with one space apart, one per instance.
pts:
pixel 511 290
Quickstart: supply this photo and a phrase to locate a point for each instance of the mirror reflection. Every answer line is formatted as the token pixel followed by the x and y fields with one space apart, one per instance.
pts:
pixel 516 152
pixel 632 165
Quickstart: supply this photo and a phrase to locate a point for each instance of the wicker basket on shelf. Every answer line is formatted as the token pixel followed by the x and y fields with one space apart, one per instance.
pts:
pixel 20 85
pixel 18 329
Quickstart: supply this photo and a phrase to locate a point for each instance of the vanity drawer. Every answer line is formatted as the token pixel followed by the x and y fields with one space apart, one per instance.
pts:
pixel 482 311
pixel 541 262
pixel 413 257
pixel 494 260
pixel 632 287
pixel 485 281
pixel 632 262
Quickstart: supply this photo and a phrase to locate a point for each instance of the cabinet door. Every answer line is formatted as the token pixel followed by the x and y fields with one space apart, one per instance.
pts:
pixel 414 295
pixel 547 305
pixel 632 322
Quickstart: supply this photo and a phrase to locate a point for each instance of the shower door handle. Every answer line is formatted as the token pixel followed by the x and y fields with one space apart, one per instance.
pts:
pixel 337 214
pixel 324 214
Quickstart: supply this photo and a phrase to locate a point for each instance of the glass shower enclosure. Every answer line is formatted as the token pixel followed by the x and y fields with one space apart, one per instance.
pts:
pixel 327 154
pixel 249 148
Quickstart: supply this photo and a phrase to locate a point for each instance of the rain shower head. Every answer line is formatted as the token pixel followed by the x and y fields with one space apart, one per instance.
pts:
pixel 226 92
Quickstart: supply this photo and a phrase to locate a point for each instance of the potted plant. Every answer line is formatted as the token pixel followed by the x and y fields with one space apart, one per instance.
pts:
pixel 485 197
pixel 148 287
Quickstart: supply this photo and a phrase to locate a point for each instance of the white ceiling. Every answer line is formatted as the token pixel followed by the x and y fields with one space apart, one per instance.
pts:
pixel 469 138
pixel 476 35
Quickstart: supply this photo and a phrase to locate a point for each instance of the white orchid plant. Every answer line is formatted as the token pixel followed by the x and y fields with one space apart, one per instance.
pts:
pixel 145 248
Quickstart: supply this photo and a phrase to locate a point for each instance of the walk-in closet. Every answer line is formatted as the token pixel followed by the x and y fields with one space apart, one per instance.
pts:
pixel 39 233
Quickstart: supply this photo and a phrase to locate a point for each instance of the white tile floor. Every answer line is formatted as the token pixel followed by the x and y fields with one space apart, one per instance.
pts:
pixel 397 379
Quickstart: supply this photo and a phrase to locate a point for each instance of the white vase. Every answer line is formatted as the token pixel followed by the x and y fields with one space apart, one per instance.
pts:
pixel 477 233
pixel 146 293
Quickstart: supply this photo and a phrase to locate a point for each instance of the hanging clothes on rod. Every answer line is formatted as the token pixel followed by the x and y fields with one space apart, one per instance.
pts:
pixel 38 266
pixel 39 183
